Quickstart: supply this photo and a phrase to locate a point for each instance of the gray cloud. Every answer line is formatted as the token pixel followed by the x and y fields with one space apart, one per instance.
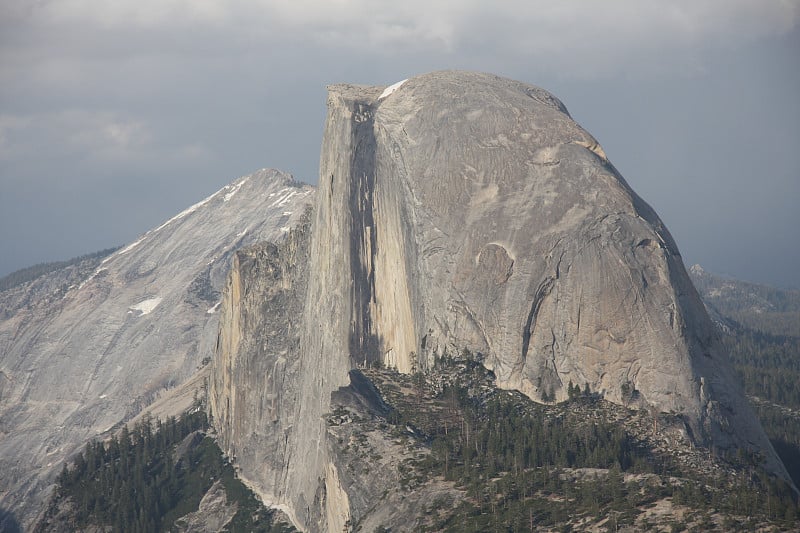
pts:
pixel 116 115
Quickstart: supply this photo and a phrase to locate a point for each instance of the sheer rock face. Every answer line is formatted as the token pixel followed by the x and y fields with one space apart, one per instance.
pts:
pixel 465 211
pixel 484 217
pixel 255 392
pixel 76 362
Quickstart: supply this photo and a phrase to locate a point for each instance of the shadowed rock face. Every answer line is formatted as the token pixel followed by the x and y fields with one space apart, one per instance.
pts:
pixel 461 210
pixel 76 361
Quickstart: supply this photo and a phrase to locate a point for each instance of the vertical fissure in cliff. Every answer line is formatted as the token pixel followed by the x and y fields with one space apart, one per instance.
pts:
pixel 364 343
pixel 541 292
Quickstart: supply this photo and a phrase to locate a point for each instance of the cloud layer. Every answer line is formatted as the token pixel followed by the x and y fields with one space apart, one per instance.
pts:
pixel 576 36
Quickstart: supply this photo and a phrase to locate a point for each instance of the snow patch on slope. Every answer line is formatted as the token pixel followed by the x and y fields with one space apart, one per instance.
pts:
pixel 391 88
pixel 185 212
pixel 128 248
pixel 230 191
pixel 284 196
pixel 233 189
pixel 146 307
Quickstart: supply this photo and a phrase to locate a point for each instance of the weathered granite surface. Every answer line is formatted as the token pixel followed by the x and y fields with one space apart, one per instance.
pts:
pixel 254 392
pixel 212 515
pixel 76 361
pixel 460 211
pixel 496 223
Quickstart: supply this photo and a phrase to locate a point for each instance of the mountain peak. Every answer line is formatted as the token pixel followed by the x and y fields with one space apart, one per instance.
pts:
pixel 136 325
pixel 461 212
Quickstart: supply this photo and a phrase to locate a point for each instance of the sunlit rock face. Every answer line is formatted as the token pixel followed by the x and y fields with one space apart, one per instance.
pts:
pixel 458 211
pixel 84 349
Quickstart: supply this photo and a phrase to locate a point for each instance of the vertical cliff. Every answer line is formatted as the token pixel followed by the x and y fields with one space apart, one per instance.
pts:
pixel 254 394
pixel 461 211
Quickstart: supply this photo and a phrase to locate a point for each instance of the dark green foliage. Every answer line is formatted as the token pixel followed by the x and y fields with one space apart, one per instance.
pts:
pixel 251 515
pixel 783 429
pixel 147 478
pixel 526 466
pixel 133 482
pixel 628 391
pixel 32 272
pixel 769 365
pixel 764 347
pixel 504 435
pixel 762 338
pixel 573 391
pixel 510 458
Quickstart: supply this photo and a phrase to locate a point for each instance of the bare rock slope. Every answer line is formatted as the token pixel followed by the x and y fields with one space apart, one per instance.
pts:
pixel 460 211
pixel 76 361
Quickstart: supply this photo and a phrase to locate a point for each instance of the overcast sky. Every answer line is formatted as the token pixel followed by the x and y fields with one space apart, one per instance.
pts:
pixel 116 115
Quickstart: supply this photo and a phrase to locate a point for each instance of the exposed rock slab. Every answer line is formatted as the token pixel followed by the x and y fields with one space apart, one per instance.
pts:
pixel 76 361
pixel 255 391
pixel 213 514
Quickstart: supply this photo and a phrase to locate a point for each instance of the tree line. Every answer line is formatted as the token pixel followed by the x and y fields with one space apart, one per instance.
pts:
pixel 24 275
pixel 146 478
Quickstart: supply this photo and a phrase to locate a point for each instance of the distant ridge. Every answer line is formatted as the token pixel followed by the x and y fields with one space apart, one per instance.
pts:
pixel 24 275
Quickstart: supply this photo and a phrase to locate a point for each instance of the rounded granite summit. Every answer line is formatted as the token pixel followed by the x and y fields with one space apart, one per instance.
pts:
pixel 464 211
pixel 453 168
pixel 450 164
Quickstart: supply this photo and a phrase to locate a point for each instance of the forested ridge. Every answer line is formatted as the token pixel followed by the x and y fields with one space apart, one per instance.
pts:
pixel 760 330
pixel 24 275
pixel 147 478
pixel 576 465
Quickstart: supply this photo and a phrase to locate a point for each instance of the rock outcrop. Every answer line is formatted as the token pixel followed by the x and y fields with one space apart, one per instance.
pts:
pixel 255 393
pixel 460 211
pixel 76 361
